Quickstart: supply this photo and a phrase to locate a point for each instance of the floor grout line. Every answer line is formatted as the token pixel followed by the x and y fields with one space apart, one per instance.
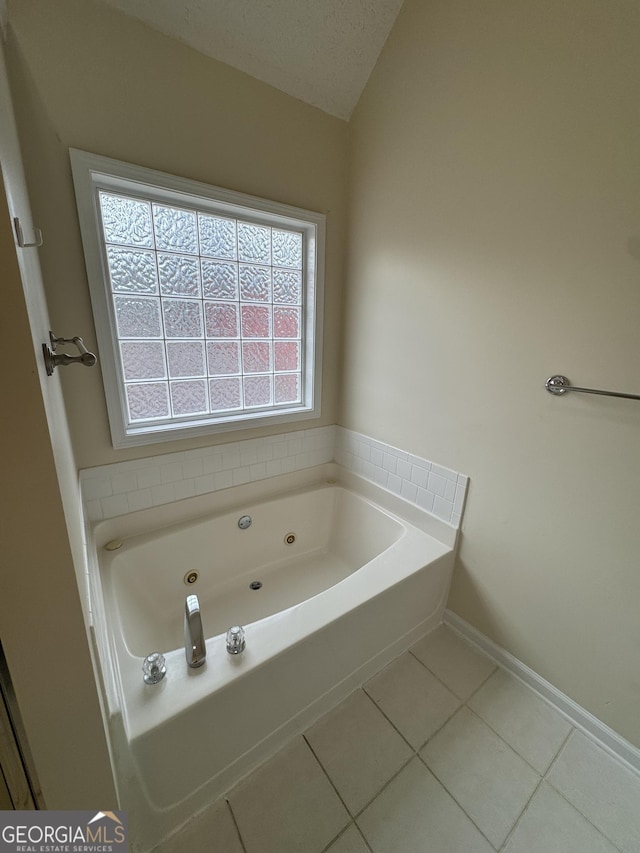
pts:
pixel 393 725
pixel 235 823
pixel 439 729
pixel 521 815
pixel 543 778
pixel 480 686
pixel 583 815
pixel 573 731
pixel 353 824
pixel 561 749
pixel 460 806
pixel 463 704
pixel 363 836
pixel 413 750
pixel 384 787
pixel 510 746
pixel 354 815
pixel 337 837
pixel 480 653
pixel 331 782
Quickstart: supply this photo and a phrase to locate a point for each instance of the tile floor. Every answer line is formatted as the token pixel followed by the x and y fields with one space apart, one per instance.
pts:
pixel 439 752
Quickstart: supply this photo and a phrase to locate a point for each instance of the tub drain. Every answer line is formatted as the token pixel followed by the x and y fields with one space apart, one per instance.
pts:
pixel 255 585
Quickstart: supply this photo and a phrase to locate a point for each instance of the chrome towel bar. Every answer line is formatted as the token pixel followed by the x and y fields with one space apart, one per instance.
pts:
pixel 560 385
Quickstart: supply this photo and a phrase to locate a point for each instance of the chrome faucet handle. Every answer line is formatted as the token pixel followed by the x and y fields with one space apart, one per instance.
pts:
pixel 153 668
pixel 236 641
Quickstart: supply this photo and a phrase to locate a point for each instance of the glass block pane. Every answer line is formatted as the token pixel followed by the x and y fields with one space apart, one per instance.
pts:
pixel 256 357
pixel 143 360
pixel 132 271
pixel 254 243
pixel 287 249
pixel 225 394
pixel 255 321
pixel 223 357
pixel 185 358
pixel 255 283
pixel 182 318
pixel 286 388
pixel 257 390
pixel 286 322
pixel 287 286
pixel 189 398
pixel 148 400
pixel 220 280
pixel 138 317
pixel 221 320
pixel 179 276
pixel 175 229
pixel 126 220
pixel 286 355
pixel 217 236
pixel 210 310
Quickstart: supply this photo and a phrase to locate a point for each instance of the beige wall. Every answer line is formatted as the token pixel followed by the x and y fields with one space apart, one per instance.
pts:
pixel 87 77
pixel 494 241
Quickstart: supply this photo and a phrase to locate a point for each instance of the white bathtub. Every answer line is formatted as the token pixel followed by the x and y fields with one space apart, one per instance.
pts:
pixel 367 574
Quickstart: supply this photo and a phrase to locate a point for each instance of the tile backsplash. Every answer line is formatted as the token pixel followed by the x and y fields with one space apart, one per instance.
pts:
pixel 432 487
pixel 111 490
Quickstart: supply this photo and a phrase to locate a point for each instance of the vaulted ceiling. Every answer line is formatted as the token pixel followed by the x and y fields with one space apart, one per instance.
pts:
pixel 320 51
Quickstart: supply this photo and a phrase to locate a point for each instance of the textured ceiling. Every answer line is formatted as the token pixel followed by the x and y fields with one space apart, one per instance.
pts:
pixel 320 51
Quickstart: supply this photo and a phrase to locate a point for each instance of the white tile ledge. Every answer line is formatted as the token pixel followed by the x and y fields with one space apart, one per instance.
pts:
pixel 111 491
pixel 613 743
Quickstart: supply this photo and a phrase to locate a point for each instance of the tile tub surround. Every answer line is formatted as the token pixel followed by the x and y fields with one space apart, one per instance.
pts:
pixel 112 490
pixel 430 486
pixel 407 758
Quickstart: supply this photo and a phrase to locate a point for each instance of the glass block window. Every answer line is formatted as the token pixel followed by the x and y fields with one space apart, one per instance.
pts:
pixel 222 298
pixel 206 302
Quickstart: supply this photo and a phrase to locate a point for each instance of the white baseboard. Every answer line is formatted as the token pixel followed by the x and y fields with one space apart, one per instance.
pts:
pixel 610 740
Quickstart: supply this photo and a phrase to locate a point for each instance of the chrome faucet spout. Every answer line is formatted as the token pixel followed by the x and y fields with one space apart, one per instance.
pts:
pixel 194 644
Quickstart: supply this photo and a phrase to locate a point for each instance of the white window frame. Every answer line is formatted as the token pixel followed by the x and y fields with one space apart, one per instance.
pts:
pixel 92 173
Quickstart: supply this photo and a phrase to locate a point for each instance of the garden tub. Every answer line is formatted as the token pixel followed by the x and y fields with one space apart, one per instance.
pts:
pixel 331 578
